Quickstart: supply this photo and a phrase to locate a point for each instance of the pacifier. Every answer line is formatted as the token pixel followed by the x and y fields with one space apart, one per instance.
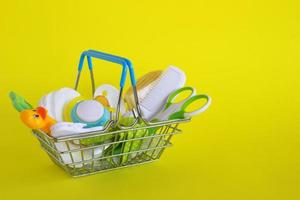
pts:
pixel 90 112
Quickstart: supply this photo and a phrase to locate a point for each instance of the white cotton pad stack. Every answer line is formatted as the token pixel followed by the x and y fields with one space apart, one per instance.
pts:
pixel 76 155
pixel 170 80
pixel 55 101
pixel 69 128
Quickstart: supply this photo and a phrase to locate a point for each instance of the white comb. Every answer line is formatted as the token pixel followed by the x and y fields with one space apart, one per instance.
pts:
pixel 170 80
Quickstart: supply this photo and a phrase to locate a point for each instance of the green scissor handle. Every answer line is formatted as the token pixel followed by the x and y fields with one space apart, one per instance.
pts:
pixel 174 94
pixel 182 113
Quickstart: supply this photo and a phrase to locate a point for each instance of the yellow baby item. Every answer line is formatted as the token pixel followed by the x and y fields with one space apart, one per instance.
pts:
pixel 69 106
pixel 108 96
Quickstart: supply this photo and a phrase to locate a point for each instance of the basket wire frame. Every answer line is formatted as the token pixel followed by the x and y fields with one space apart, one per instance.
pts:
pixel 150 148
pixel 114 147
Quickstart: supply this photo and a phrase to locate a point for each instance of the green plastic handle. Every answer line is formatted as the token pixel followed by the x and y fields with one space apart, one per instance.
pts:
pixel 182 114
pixel 174 94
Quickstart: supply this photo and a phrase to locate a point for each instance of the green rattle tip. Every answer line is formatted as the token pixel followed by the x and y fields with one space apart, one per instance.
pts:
pixel 19 102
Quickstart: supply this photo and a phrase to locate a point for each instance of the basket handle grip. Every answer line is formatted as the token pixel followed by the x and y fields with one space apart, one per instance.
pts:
pixel 108 57
pixel 111 58
pixel 116 59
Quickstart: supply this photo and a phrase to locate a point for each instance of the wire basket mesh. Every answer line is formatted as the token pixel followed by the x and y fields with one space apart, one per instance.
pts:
pixel 109 150
pixel 115 146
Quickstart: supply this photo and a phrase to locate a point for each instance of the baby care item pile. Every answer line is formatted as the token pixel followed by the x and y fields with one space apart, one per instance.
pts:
pixel 114 128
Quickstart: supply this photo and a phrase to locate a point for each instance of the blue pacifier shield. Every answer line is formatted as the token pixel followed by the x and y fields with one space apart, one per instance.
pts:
pixel 90 112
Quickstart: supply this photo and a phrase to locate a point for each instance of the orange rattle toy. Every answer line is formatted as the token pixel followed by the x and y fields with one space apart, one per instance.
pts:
pixel 37 119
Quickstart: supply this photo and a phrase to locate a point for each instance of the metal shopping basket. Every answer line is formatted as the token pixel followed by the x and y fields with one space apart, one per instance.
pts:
pixel 115 146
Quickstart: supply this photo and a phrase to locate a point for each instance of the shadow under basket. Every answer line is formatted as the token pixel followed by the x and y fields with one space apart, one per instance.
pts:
pixel 95 152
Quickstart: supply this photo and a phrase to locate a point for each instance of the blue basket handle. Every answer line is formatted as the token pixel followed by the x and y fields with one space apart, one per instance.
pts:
pixel 111 58
pixel 104 56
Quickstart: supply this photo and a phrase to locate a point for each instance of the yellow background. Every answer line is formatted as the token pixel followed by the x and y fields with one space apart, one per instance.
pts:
pixel 245 54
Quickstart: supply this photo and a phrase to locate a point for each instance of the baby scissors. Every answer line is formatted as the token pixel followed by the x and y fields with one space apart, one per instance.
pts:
pixel 178 110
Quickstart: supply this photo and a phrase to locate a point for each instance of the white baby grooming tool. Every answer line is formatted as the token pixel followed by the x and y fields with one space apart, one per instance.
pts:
pixel 170 80
pixel 143 86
